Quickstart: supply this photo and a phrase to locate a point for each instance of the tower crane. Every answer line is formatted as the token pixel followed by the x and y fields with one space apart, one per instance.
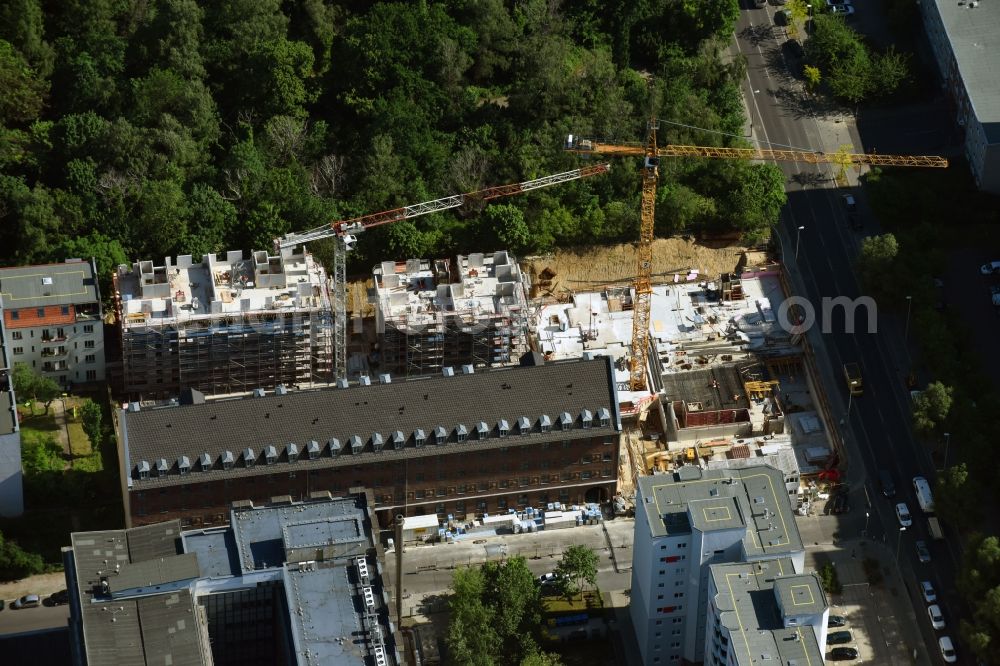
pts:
pixel 651 154
pixel 345 232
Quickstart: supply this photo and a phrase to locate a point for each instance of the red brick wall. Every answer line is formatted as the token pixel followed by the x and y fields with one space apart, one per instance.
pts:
pixel 517 476
pixel 29 317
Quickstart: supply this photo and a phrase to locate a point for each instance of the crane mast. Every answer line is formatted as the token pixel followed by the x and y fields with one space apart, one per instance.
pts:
pixel 344 232
pixel 650 172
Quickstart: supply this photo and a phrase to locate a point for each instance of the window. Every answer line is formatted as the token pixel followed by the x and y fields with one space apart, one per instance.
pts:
pixel 88 344
pixel 678 595
pixel 65 310
pixel 14 314
pixel 16 335
pixel 41 312
pixel 18 350
pixel 585 475
pixel 88 328
pixel 89 358
pixel 91 375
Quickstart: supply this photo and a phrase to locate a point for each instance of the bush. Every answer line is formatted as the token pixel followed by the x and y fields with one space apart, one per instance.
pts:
pixel 828 575
pixel 17 563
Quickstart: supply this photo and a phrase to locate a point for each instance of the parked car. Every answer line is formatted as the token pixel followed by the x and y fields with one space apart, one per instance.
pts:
pixel 836 621
pixel 888 485
pixel 846 11
pixel 937 619
pixel 927 590
pixel 923 552
pixel 27 601
pixel 2 604
pixel 843 654
pixel 839 637
pixel 58 598
pixel 903 514
pixel 947 649
pixel 991 268
pixel 837 3
pixel 548 578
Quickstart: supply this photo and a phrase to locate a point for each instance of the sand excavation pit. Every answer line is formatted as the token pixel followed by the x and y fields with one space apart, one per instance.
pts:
pixel 592 268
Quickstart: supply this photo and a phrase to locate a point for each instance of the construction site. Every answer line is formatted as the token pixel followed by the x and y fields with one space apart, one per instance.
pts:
pixel 447 314
pixel 224 325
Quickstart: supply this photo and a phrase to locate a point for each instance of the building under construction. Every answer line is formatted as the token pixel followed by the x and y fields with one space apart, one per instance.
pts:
pixel 224 325
pixel 431 316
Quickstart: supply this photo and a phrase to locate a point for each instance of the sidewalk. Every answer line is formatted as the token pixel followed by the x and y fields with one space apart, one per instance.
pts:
pixel 42 585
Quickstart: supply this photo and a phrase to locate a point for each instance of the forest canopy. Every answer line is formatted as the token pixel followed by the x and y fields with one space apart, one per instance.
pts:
pixel 147 128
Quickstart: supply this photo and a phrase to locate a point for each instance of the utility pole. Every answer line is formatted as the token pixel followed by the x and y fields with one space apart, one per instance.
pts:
pixel 798 237
pixel 399 568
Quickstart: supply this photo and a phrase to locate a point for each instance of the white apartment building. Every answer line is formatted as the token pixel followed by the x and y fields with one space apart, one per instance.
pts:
pixel 53 320
pixel 763 611
pixel 687 521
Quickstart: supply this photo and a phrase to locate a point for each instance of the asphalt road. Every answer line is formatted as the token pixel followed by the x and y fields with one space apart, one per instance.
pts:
pixel 32 619
pixel 877 425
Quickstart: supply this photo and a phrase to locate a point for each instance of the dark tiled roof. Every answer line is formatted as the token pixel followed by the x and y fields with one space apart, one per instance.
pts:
pixel 72 283
pixel 406 405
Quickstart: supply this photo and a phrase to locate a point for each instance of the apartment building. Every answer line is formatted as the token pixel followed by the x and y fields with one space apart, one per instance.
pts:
pixel 763 611
pixel 291 583
pixel 687 521
pixel 432 315
pixel 965 39
pixel 11 480
pixel 53 320
pixel 461 443
pixel 224 325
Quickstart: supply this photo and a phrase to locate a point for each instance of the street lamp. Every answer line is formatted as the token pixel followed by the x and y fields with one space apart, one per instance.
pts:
pixel 947 440
pixel 898 543
pixel 798 237
pixel 906 330
pixel 867 516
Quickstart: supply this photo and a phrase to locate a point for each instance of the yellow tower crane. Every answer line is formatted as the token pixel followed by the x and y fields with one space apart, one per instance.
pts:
pixel 651 155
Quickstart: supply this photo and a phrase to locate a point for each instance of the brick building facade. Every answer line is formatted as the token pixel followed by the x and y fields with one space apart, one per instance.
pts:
pixel 473 443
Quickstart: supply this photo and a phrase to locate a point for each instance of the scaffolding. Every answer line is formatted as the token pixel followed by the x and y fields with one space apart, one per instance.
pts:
pixel 432 316
pixel 223 325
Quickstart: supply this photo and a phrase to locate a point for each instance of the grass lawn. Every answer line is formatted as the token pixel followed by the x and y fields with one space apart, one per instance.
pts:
pixel 588 601
pixel 41 423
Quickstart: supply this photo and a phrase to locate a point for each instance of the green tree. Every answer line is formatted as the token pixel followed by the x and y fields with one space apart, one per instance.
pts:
pixel 813 77
pixel 16 563
pixel 30 384
pixel 953 498
pixel 472 639
pixel 505 223
pixel 23 92
pixel 578 565
pixel 90 414
pixel 890 70
pixel 931 406
pixel 876 262
pixel 40 452
pixel 542 659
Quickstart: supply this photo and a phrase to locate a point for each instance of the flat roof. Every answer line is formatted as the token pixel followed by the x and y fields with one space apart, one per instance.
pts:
pixel 181 290
pixel 753 499
pixel 750 599
pixel 151 573
pixel 70 283
pixel 974 34
pixel 421 292
pixel 411 406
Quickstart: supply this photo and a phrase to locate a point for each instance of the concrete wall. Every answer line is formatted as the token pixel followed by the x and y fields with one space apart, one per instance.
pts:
pixel 11 481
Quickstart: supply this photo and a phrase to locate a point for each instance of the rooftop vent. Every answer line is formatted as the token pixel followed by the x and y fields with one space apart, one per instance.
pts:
pixel 364 380
pixel 184 465
pixel 440 435
pixel 398 439
pixel 356 444
pixel 161 467
pixel 313 449
pixel 270 454
pixel 133 406
pixel 335 446
pixel 249 457
pixel 385 378
pixel 228 460
pixel 293 452
pixel 468 369
pixel 47 281
pixel 205 462
pixel 342 383
pixel 448 371
pixel 258 393
pixel 377 441
pixel 280 390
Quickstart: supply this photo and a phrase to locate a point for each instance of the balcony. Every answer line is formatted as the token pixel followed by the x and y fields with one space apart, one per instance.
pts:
pixel 53 352
pixel 56 366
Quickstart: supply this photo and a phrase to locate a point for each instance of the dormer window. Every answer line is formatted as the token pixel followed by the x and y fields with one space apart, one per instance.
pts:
pixel 293 452
pixel 270 455
pixel 249 458
pixel 356 444
pixel 161 467
pixel 440 435
pixel 313 450
pixel 523 425
pixel 461 433
pixel 503 427
pixel 184 465
pixel 143 469
pixel 398 440
pixel 565 421
pixel 228 460
pixel 545 423
pixel 586 417
pixel 205 462
pixel 604 416
pixel 419 437
pixel 377 441
pixel 335 447
pixel 482 430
